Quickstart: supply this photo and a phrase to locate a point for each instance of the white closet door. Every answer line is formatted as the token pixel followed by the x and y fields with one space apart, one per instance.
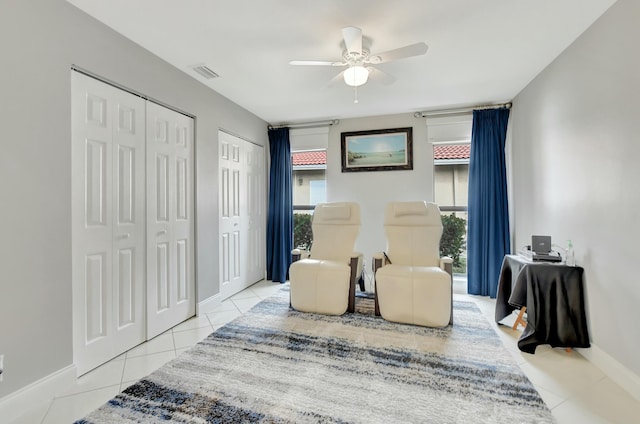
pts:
pixel 108 136
pixel 255 213
pixel 170 218
pixel 231 227
pixel 241 215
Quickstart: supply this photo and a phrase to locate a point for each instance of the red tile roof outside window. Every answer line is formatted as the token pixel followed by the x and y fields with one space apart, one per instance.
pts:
pixel 309 158
pixel 440 152
pixel 451 151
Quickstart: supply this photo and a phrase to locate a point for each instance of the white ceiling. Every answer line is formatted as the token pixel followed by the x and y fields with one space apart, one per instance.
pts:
pixel 480 51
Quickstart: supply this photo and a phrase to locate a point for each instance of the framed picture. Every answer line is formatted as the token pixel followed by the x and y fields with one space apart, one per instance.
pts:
pixel 377 150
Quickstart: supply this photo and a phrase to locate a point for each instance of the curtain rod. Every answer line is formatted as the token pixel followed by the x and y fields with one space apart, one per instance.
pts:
pixel 442 112
pixel 316 124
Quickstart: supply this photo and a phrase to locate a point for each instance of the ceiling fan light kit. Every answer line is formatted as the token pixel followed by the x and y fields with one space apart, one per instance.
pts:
pixel 356 58
pixel 356 75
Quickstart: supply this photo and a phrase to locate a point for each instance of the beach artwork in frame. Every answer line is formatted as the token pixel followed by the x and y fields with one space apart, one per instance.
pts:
pixel 377 150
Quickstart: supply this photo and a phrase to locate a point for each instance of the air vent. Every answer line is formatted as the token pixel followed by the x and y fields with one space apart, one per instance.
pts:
pixel 205 71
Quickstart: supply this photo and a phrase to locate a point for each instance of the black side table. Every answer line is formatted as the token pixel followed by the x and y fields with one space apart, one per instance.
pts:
pixel 553 295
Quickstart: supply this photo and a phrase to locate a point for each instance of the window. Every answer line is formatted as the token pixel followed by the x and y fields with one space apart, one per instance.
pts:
pixel 451 182
pixel 451 176
pixel 309 189
pixel 309 184
pixel 317 191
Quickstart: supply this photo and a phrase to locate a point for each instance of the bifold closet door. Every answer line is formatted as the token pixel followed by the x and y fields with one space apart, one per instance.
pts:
pixel 108 222
pixel 231 226
pixel 255 213
pixel 241 215
pixel 170 219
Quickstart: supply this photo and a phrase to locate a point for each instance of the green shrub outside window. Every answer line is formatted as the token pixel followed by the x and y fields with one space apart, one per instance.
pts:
pixel 452 243
pixel 302 235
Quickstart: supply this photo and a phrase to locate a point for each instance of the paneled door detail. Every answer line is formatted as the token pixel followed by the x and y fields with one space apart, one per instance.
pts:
pixel 241 215
pixel 170 219
pixel 108 222
pixel 255 213
pixel 230 152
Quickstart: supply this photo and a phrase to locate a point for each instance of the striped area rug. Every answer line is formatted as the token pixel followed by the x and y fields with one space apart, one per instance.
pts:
pixel 276 365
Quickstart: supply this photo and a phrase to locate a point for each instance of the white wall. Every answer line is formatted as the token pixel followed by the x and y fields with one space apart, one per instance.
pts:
pixel 374 189
pixel 576 155
pixel 39 41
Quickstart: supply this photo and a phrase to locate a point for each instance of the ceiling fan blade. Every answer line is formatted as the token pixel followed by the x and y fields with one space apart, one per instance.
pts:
pixel 352 39
pixel 339 78
pixel 315 63
pixel 411 50
pixel 382 77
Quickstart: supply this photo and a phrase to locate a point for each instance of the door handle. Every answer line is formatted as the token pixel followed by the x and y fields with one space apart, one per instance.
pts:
pixel 162 232
pixel 125 236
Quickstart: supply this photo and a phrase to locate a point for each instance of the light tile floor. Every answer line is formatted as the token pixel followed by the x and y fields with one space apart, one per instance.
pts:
pixel 574 389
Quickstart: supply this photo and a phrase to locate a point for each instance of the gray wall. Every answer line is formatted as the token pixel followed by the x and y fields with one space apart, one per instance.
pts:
pixel 575 131
pixel 40 40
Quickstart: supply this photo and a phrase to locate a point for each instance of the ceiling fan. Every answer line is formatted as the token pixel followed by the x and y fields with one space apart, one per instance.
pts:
pixel 357 59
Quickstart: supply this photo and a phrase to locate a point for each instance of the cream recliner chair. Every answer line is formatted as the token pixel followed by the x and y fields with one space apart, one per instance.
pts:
pixel 324 280
pixel 413 284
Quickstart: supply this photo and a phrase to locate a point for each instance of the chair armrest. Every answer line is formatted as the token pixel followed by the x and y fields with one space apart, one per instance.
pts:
pixel 356 261
pixel 378 261
pixel 360 264
pixel 446 264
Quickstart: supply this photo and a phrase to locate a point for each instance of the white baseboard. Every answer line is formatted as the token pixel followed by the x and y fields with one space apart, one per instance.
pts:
pixel 617 372
pixel 15 404
pixel 209 303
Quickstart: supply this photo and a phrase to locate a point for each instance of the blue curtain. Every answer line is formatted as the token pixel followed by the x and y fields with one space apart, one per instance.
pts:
pixel 280 213
pixel 488 225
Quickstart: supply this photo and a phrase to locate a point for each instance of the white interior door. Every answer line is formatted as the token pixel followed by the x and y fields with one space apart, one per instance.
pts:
pixel 230 222
pixel 170 219
pixel 242 220
pixel 108 138
pixel 255 213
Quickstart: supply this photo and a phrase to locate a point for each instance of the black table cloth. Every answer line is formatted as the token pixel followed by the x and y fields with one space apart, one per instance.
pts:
pixel 554 297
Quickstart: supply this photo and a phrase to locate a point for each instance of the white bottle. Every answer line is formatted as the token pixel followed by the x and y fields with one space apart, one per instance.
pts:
pixel 570 259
